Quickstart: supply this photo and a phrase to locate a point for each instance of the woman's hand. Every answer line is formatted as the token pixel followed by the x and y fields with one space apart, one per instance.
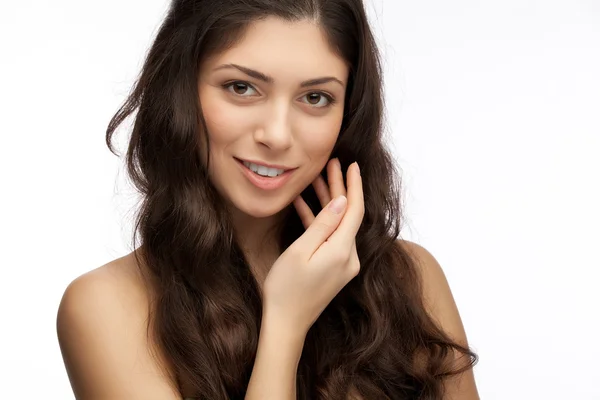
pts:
pixel 313 269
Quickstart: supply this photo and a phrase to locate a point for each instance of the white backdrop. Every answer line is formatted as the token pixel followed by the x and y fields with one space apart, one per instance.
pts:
pixel 494 113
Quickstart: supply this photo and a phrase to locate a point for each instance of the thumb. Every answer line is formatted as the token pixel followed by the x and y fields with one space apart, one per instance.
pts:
pixel 323 225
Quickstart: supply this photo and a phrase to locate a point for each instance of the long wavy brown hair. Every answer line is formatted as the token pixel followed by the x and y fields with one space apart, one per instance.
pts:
pixel 206 311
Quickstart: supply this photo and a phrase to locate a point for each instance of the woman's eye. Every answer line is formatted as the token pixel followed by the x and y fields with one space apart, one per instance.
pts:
pixel 239 88
pixel 316 97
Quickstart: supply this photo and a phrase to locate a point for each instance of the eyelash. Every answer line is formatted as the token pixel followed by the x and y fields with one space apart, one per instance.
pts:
pixel 330 100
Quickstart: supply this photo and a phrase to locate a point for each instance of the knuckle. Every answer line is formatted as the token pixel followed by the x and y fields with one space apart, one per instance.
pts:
pixel 354 262
pixel 351 274
pixel 321 226
pixel 354 268
pixel 342 257
pixel 294 251
pixel 337 259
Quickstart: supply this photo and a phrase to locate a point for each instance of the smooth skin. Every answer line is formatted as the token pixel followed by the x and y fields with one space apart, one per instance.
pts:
pixel 304 280
pixel 101 320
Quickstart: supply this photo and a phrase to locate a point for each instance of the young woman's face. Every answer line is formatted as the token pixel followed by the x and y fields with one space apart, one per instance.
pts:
pixel 282 122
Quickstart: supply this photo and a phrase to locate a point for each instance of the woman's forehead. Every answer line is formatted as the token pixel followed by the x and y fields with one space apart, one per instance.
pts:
pixel 282 49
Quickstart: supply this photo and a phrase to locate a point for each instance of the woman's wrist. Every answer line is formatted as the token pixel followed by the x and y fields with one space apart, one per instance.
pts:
pixel 282 334
pixel 276 364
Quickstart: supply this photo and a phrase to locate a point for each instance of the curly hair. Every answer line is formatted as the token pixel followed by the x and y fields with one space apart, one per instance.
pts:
pixel 375 337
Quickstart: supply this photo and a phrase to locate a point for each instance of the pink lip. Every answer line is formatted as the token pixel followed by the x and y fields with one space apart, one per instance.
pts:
pixel 265 164
pixel 264 182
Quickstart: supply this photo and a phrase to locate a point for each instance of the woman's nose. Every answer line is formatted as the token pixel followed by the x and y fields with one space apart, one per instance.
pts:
pixel 276 134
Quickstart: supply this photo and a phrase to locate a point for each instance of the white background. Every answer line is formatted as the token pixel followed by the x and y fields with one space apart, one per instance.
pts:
pixel 494 111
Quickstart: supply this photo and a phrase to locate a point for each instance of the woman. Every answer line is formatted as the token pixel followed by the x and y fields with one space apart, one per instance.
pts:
pixel 254 117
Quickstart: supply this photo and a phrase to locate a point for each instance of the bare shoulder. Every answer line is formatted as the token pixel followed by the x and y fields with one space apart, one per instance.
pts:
pixel 441 306
pixel 102 331
pixel 437 294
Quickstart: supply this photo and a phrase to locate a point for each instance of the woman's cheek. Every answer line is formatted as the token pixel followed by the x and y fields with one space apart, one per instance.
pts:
pixel 319 141
pixel 224 121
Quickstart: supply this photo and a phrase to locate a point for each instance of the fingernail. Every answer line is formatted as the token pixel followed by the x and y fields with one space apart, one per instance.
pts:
pixel 338 204
pixel 357 167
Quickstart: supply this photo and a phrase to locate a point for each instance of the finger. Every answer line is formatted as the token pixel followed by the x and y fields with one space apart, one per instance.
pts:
pixel 345 235
pixel 304 212
pixel 335 178
pixel 325 223
pixel 322 191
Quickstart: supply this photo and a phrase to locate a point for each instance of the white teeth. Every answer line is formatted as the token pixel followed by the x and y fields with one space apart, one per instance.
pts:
pixel 262 170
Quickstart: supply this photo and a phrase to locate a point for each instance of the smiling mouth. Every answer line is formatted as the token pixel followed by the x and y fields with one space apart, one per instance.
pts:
pixel 263 171
pixel 275 181
pixel 265 165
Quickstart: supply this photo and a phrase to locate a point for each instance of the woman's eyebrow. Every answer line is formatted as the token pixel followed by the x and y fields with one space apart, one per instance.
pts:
pixel 267 79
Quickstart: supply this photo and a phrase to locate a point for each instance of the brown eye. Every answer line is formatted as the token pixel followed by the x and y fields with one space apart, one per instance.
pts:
pixel 240 88
pixel 316 97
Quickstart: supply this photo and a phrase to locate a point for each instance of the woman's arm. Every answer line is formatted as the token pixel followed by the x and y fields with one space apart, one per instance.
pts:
pixel 101 326
pixel 276 363
pixel 440 305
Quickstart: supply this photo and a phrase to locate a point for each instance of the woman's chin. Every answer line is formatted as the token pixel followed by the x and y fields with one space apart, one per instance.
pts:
pixel 262 210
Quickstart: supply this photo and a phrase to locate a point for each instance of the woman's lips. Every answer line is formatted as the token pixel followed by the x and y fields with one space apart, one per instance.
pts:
pixel 283 167
pixel 263 182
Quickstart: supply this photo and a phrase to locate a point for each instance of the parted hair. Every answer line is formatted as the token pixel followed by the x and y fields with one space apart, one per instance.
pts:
pixel 375 336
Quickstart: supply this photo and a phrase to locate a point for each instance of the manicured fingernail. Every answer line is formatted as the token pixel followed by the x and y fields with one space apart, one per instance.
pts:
pixel 357 168
pixel 338 204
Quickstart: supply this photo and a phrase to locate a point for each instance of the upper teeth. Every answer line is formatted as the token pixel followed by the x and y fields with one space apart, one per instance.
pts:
pixel 262 170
